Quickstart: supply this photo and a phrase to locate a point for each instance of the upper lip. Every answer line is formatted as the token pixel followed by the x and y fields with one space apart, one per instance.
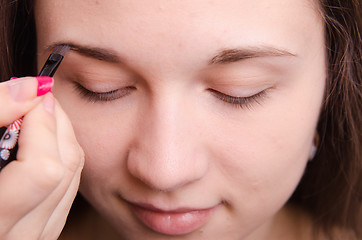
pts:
pixel 151 207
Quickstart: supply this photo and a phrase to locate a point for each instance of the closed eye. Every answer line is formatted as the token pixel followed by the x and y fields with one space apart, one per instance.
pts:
pixel 242 102
pixel 108 96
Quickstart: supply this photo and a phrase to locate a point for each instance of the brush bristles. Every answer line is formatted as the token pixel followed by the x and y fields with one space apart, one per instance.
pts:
pixel 61 49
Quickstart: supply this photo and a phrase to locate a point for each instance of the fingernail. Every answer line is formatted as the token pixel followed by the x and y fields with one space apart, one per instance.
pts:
pixel 13 78
pixel 45 84
pixel 48 103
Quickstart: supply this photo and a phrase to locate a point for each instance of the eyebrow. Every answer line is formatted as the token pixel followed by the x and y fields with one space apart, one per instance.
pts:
pixel 238 54
pixel 91 52
pixel 222 57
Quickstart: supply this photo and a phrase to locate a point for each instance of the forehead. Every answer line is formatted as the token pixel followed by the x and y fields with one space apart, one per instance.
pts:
pixel 168 24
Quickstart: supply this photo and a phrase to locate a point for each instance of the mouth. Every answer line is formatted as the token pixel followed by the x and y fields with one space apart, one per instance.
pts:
pixel 172 222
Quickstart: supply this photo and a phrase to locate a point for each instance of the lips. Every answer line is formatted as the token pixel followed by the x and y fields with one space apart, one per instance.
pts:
pixel 172 222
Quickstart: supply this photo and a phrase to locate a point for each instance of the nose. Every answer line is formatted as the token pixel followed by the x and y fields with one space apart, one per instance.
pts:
pixel 167 152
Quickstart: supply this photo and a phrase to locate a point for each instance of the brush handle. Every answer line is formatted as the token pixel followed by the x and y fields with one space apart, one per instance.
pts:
pixel 8 143
pixel 51 65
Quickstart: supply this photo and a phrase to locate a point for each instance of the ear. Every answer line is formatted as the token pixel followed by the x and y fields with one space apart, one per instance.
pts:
pixel 313 151
pixel 314 148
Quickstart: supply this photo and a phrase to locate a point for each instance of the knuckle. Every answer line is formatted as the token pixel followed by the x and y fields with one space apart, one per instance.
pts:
pixel 49 176
pixel 73 157
pixel 73 163
pixel 82 156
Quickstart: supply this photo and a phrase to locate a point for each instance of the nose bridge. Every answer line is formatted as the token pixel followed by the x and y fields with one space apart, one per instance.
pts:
pixel 165 155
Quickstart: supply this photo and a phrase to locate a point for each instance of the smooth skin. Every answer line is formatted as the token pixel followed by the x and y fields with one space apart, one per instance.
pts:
pixel 172 129
pixel 38 189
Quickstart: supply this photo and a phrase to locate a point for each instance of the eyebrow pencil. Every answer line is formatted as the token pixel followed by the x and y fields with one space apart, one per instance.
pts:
pixel 8 142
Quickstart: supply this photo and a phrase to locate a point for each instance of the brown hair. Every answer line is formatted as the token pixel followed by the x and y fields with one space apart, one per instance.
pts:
pixel 331 188
pixel 17 39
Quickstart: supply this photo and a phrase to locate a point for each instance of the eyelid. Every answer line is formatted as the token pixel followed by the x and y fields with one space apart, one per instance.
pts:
pixel 242 102
pixel 92 96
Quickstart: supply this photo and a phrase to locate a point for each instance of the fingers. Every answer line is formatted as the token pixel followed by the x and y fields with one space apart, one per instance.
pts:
pixel 43 182
pixel 60 213
pixel 72 158
pixel 18 96
pixel 70 151
pixel 27 182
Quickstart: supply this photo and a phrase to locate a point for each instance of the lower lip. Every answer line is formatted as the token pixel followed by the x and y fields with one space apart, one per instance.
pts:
pixel 173 223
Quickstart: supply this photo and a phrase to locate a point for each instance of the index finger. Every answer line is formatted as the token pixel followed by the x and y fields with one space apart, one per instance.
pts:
pixel 20 95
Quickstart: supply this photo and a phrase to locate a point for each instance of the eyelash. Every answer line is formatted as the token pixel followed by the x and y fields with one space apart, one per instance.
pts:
pixel 103 96
pixel 241 102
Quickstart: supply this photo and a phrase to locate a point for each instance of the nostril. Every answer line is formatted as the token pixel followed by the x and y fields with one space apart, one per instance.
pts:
pixel 166 174
pixel 161 186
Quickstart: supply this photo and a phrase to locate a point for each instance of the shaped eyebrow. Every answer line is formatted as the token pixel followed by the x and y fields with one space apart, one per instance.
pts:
pixel 238 54
pixel 91 52
pixel 222 57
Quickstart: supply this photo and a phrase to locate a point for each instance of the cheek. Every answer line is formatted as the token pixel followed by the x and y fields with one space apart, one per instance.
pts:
pixel 104 140
pixel 263 153
pixel 266 163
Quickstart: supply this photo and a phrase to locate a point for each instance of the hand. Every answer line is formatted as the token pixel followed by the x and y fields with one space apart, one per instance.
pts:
pixel 37 190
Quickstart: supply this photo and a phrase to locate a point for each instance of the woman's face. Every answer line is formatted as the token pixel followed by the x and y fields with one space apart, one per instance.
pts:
pixel 196 117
